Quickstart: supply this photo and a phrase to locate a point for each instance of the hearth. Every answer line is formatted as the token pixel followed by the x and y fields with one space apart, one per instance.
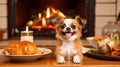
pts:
pixel 33 13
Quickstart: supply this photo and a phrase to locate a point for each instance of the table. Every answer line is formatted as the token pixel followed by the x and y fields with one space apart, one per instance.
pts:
pixel 49 61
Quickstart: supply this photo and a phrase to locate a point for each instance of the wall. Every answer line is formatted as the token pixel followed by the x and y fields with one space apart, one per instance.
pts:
pixel 3 17
pixel 106 10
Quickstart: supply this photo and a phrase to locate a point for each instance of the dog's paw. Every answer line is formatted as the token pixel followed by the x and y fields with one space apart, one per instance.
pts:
pixel 60 60
pixel 76 59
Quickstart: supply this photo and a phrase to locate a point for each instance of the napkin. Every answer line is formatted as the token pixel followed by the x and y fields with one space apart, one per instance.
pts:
pixel 85 50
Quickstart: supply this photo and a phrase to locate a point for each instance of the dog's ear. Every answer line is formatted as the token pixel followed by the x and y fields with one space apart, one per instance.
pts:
pixel 81 21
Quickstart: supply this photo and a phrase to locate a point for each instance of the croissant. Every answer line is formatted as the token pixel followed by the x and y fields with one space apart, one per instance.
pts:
pixel 20 48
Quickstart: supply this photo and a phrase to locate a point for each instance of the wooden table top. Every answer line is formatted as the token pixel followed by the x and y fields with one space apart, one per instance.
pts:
pixel 49 61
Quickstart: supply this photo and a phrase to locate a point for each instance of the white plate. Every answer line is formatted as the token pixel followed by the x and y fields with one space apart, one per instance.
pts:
pixel 27 57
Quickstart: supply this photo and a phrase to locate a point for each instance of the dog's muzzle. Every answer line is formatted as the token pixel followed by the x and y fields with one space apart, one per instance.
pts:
pixel 68 34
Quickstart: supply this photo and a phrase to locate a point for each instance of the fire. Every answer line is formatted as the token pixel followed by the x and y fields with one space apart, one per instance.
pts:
pixel 61 14
pixel 48 13
pixel 44 20
pixel 30 23
pixel 39 15
pixel 53 10
pixel 37 27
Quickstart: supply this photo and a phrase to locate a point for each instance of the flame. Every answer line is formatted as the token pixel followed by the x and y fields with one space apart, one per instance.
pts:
pixel 48 13
pixel 30 23
pixel 53 10
pixel 61 14
pixel 39 15
pixel 43 22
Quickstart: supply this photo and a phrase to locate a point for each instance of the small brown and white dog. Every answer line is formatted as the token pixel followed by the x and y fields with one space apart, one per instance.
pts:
pixel 69 44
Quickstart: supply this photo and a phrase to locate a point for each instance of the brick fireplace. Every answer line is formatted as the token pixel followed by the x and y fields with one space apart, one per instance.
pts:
pixel 21 11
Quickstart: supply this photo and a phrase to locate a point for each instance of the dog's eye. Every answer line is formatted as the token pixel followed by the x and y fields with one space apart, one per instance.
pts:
pixel 63 26
pixel 73 26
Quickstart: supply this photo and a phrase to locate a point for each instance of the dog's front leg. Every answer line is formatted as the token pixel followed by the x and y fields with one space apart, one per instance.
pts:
pixel 59 56
pixel 78 56
pixel 76 59
pixel 60 59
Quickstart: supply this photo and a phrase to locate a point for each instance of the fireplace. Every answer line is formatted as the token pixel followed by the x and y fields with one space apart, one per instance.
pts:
pixel 22 12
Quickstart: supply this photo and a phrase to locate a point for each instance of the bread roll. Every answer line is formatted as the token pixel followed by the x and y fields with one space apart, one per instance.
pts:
pixel 20 48
pixel 28 48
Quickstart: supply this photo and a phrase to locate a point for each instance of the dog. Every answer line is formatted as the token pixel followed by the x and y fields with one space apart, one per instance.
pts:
pixel 69 44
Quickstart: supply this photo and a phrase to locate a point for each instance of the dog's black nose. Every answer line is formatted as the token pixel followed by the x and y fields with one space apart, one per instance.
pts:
pixel 68 29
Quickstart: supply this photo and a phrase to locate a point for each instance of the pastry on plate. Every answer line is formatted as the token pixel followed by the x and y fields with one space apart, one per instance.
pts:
pixel 20 48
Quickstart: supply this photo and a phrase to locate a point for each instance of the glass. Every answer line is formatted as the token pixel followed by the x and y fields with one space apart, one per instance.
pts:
pixel 26 36
pixel 119 25
pixel 111 27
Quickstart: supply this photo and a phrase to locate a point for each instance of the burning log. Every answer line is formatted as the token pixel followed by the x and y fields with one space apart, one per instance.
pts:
pixel 47 20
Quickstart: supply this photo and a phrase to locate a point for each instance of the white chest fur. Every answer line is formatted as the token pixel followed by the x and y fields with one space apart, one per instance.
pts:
pixel 68 49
